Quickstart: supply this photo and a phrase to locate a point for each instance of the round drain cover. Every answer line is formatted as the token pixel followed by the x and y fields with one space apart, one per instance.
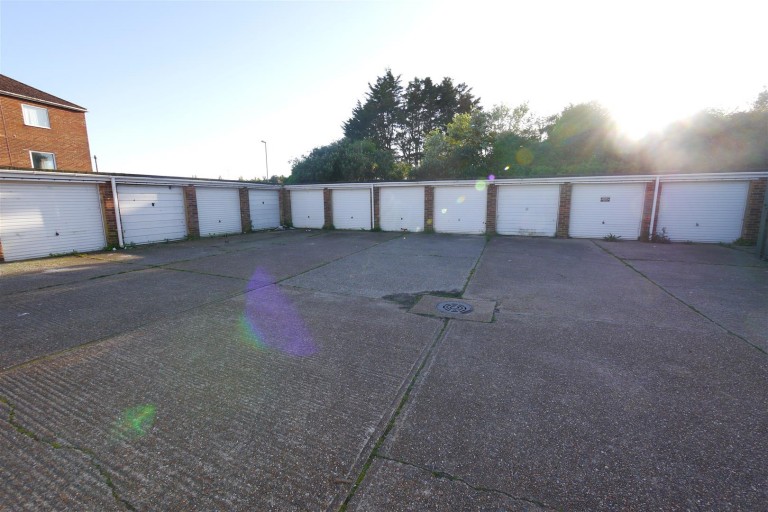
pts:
pixel 454 307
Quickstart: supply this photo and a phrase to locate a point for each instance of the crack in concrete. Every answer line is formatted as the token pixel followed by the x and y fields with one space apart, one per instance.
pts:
pixel 681 301
pixel 393 418
pixel 480 488
pixel 90 455
pixel 427 358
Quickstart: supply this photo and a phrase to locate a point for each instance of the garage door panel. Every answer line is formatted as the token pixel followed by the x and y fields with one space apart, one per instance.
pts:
pixel 151 213
pixel 218 211
pixel 37 220
pixel 265 208
pixel 460 210
pixel 401 208
pixel 702 211
pixel 307 209
pixel 599 210
pixel 529 210
pixel 351 209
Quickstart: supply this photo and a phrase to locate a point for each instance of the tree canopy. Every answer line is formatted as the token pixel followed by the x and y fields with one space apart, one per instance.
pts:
pixel 438 130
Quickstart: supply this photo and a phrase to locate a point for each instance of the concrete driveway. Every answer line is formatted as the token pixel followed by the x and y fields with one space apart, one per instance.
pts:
pixel 302 370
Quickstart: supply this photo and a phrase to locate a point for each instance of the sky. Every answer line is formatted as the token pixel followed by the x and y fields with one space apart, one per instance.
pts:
pixel 191 88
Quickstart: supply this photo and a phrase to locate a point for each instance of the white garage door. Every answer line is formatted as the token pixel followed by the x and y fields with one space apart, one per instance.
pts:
pixel 529 210
pixel 151 213
pixel 307 209
pixel 38 219
pixel 218 210
pixel 265 209
pixel 599 210
pixel 703 212
pixel 351 209
pixel 460 210
pixel 401 208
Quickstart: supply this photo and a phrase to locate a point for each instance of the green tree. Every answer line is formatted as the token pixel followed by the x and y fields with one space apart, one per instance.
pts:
pixel 380 116
pixel 345 160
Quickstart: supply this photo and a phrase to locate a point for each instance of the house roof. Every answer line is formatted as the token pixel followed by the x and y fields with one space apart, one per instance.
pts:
pixel 16 89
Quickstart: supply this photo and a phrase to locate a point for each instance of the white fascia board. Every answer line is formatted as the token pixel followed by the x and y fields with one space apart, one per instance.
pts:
pixel 126 179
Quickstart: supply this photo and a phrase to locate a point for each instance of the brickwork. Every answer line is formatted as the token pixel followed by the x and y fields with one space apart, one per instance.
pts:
pixel 564 211
pixel 110 217
pixel 645 224
pixel 429 209
pixel 328 208
pixel 656 229
pixel 376 208
pixel 190 209
pixel 752 214
pixel 284 198
pixel 67 138
pixel 2 257
pixel 490 210
pixel 245 210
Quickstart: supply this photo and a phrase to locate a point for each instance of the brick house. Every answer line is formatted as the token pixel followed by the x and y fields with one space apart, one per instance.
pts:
pixel 41 131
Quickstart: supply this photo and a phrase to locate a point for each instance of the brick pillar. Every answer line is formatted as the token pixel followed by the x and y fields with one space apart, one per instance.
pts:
pixel 284 201
pixel 752 214
pixel 564 212
pixel 645 224
pixel 2 257
pixel 110 216
pixel 245 210
pixel 190 208
pixel 429 209
pixel 376 208
pixel 490 210
pixel 328 208
pixel 656 229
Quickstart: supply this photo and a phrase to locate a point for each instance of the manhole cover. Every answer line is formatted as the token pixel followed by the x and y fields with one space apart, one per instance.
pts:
pixel 454 307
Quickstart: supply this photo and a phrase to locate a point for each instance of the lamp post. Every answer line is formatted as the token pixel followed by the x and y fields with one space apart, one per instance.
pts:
pixel 266 157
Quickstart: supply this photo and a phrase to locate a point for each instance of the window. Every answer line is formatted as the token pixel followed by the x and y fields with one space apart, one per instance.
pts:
pixel 35 116
pixel 42 160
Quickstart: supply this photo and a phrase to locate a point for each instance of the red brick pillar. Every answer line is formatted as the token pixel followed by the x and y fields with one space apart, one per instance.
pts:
pixel 645 224
pixel 564 212
pixel 328 208
pixel 190 208
pixel 2 257
pixel 284 198
pixel 429 209
pixel 110 216
pixel 490 210
pixel 755 201
pixel 376 208
pixel 656 229
pixel 245 210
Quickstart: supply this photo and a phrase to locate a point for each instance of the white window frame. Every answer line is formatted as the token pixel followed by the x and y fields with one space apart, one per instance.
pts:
pixel 32 159
pixel 28 120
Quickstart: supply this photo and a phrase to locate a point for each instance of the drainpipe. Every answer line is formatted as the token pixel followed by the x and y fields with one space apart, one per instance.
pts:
pixel 653 209
pixel 373 215
pixel 117 214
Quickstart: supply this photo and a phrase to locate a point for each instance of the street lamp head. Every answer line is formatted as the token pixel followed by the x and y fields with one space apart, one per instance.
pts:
pixel 264 141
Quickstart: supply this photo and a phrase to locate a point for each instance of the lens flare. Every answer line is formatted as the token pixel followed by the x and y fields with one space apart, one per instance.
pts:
pixel 271 320
pixel 136 421
pixel 524 156
pixel 480 185
pixel 444 210
pixel 491 177
pixel 460 199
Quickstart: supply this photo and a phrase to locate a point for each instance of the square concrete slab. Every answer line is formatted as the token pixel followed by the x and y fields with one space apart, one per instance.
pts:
pixel 474 310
